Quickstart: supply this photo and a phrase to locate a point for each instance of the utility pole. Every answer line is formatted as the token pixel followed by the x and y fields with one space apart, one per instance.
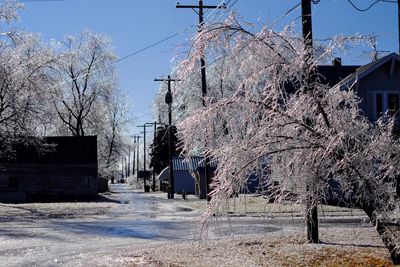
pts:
pixel 153 187
pixel 201 8
pixel 137 158
pixel 126 167
pixel 134 155
pixel 144 154
pixel 129 161
pixel 311 205
pixel 168 100
pixel 122 169
pixel 307 22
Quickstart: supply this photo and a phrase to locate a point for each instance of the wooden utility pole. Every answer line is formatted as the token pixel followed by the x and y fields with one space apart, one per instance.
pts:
pixel 168 100
pixel 129 161
pixel 134 155
pixel 201 8
pixel 144 155
pixel 122 169
pixel 137 157
pixel 307 22
pixel 311 206
pixel 153 187
pixel 126 166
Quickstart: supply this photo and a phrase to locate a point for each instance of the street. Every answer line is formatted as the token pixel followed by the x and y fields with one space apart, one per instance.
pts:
pixel 71 234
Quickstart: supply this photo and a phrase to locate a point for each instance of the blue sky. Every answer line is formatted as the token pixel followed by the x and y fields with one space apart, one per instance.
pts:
pixel 136 24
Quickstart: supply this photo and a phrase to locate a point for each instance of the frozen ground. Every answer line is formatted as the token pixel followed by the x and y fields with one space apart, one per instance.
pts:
pixel 131 228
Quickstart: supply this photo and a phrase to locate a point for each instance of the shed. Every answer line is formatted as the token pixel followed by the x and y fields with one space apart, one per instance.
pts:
pixel 184 181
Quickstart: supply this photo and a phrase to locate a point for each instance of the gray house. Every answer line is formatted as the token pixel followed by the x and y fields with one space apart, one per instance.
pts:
pixel 378 85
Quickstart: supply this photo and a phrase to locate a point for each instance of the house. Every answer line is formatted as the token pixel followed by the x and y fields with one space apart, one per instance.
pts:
pixel 67 171
pixel 378 85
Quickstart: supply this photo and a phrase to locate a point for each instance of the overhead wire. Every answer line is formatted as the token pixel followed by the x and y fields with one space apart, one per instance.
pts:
pixel 370 6
pixel 234 3
pixel 147 47
pixel 32 1
pixel 208 19
pixel 288 12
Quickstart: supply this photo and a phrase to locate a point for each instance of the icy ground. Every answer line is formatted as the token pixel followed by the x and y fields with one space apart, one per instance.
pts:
pixel 108 232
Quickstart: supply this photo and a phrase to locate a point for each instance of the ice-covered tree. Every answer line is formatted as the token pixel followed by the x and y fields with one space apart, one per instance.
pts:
pixel 111 127
pixel 85 78
pixel 24 82
pixel 279 119
pixel 87 99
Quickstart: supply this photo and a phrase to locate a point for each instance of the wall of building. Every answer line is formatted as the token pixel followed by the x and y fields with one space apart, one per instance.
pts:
pixel 377 81
pixel 67 171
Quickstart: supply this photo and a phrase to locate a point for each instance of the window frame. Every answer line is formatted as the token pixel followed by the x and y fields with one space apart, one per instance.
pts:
pixel 384 102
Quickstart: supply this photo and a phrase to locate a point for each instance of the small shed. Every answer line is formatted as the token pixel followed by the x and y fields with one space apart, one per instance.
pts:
pixel 183 179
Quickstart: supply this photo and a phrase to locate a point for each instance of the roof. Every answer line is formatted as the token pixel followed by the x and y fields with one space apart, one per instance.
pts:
pixel 329 75
pixel 164 174
pixel 193 163
pixel 364 70
pixel 332 75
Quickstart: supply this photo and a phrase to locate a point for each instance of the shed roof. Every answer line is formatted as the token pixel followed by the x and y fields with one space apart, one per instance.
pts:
pixel 193 163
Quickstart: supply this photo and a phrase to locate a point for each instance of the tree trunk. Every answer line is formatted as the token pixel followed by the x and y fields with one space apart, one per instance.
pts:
pixel 387 231
pixel 312 221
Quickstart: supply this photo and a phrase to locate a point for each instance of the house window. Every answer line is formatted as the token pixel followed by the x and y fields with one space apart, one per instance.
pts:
pixel 393 103
pixel 379 105
pixel 387 102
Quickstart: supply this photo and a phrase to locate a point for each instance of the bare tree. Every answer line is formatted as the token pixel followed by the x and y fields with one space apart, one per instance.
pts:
pixel 304 135
pixel 87 99
pixel 113 120
pixel 24 80
pixel 87 78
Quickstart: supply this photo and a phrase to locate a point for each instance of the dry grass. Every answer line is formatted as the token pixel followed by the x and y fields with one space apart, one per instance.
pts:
pixel 341 247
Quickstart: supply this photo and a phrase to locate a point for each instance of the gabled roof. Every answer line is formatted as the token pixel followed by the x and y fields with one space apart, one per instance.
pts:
pixel 329 75
pixel 364 70
pixel 332 75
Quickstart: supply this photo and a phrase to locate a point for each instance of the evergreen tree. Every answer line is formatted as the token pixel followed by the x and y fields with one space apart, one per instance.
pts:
pixel 159 148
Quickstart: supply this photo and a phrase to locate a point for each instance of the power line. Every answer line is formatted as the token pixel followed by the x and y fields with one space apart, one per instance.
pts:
pixel 234 3
pixel 210 17
pixel 147 47
pixel 32 1
pixel 373 4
